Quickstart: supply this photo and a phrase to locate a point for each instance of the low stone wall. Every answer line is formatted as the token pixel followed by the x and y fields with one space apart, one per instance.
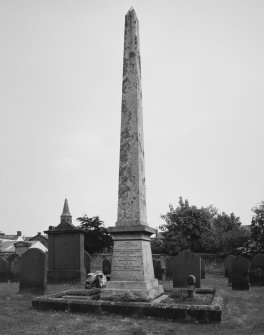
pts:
pixel 214 264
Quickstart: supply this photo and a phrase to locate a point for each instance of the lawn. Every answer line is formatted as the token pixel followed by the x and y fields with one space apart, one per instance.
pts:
pixel 243 314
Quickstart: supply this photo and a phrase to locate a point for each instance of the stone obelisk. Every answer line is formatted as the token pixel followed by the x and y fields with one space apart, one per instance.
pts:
pixel 132 276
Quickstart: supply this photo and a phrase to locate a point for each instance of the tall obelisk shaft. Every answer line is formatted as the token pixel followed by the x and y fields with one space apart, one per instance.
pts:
pixel 132 275
pixel 132 190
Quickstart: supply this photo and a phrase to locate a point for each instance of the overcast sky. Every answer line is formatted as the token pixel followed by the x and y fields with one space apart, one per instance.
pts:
pixel 60 107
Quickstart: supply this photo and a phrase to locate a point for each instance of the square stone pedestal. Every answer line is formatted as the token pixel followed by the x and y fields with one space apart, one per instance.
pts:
pixel 132 276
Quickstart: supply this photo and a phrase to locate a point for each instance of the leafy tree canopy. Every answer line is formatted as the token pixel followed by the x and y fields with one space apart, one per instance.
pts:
pixel 184 227
pixel 97 237
pixel 257 226
pixel 200 229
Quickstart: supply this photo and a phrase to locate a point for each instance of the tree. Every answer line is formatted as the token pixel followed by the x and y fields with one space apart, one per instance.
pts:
pixel 201 230
pixel 185 225
pixel 257 226
pixel 96 237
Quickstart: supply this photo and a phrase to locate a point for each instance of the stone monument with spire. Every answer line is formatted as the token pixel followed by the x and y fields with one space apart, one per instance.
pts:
pixel 132 276
pixel 66 250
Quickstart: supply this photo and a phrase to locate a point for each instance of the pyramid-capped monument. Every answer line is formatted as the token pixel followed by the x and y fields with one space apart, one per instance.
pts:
pixel 132 276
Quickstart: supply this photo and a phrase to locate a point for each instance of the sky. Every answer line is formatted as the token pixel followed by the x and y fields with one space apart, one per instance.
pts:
pixel 60 107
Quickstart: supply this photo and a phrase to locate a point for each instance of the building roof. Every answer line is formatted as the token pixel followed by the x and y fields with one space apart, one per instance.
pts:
pixel 38 245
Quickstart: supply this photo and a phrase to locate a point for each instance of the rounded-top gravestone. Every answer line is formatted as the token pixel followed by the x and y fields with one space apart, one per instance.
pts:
pixel 256 276
pixel 240 273
pixel 34 271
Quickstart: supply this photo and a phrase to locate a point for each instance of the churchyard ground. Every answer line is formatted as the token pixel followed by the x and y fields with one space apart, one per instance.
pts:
pixel 243 314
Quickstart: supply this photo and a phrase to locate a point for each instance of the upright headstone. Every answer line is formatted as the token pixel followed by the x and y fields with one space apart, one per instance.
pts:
pixel 228 264
pixel 256 275
pixel 157 269
pixel 87 261
pixel 3 270
pixel 202 269
pixel 240 273
pixel 184 264
pixel 106 267
pixel 66 251
pixel 169 267
pixel 33 275
pixel 132 276
pixel 14 267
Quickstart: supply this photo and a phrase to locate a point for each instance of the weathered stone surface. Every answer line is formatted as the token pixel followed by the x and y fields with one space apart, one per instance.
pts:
pixel 86 301
pixel 132 260
pixel 132 275
pixel 132 191
pixel 184 264
pixel 202 269
pixel 66 251
pixel 106 267
pixel 33 271
pixel 3 270
pixel 14 267
pixel 87 261
pixel 256 276
pixel 169 267
pixel 228 264
pixel 157 269
pixel 240 273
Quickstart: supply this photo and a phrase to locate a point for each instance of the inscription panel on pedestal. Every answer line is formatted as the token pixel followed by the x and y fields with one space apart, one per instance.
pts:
pixel 127 261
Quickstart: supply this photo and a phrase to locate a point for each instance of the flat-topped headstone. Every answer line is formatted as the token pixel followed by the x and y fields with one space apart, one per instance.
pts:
pixel 256 275
pixel 14 267
pixel 240 273
pixel 132 275
pixel 228 264
pixel 184 264
pixel 33 275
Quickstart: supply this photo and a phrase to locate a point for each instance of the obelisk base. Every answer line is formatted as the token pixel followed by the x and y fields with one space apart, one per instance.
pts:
pixel 132 276
pixel 143 291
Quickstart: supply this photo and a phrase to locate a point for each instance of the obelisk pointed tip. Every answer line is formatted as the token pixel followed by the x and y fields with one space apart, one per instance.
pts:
pixel 131 11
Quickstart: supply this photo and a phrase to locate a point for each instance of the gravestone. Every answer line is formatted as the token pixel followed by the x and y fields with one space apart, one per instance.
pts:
pixel 33 275
pixel 184 264
pixel 202 269
pixel 132 275
pixel 14 267
pixel 3 270
pixel 169 267
pixel 157 269
pixel 256 275
pixel 66 251
pixel 240 273
pixel 87 261
pixel 228 264
pixel 106 267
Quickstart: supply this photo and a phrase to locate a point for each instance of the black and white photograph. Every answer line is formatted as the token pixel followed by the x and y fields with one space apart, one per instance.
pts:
pixel 131 169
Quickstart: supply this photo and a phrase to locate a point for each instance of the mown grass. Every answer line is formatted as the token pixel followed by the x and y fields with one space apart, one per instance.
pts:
pixel 243 314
